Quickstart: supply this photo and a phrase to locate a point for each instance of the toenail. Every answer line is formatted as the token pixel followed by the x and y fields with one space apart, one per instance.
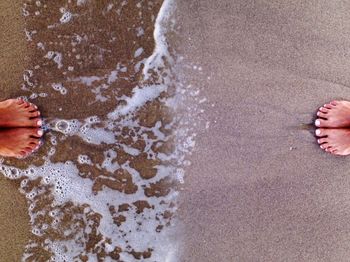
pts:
pixel 321 146
pixel 38 113
pixel 318 113
pixel 318 140
pixel 39 123
pixel 317 122
pixel 318 131
pixel 40 132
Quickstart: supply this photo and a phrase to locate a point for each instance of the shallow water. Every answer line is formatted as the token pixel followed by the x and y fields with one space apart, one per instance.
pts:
pixel 104 185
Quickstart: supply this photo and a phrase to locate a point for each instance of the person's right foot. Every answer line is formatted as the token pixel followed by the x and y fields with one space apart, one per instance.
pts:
pixel 335 114
pixel 19 142
pixel 19 113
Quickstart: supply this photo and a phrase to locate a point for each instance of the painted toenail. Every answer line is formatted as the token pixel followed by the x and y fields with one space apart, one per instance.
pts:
pixel 318 131
pixel 40 132
pixel 317 122
pixel 39 123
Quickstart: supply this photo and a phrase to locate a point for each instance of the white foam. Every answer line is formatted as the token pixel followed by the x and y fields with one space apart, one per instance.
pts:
pixel 139 98
pixel 66 182
pixel 139 31
pixel 81 2
pixel 87 80
pixel 161 46
pixel 59 87
pixel 138 52
pixel 66 17
pixel 84 159
pixel 56 57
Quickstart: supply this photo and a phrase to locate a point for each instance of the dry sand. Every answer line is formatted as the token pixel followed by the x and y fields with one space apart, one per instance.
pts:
pixel 14 226
pixel 260 188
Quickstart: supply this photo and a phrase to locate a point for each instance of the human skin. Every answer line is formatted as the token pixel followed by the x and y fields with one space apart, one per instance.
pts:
pixel 20 128
pixel 334 120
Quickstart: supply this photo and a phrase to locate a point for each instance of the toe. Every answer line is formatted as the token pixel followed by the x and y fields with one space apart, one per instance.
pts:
pixel 320 132
pixel 32 122
pixel 322 140
pixel 20 101
pixel 328 106
pixel 36 132
pixel 36 122
pixel 334 151
pixel 323 109
pixel 31 146
pixel 334 102
pixel 29 150
pixel 22 154
pixel 328 149
pixel 34 114
pixel 34 141
pixel 324 146
pixel 32 107
pixel 25 104
pixel 321 114
pixel 320 122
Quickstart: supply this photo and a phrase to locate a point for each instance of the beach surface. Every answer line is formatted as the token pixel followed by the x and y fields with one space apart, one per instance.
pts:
pixel 259 187
pixel 14 217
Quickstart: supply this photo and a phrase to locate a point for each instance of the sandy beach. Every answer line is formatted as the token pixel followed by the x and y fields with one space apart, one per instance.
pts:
pixel 14 225
pixel 260 188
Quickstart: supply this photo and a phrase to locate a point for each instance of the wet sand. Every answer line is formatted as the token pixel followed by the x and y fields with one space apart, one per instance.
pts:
pixel 61 55
pixel 260 188
pixel 14 225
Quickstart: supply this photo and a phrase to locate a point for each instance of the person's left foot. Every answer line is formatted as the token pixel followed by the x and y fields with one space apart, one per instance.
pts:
pixel 335 114
pixel 334 141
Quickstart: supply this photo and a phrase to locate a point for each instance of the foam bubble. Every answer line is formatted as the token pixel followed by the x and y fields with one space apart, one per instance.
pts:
pixel 138 52
pixel 81 2
pixel 56 57
pixel 84 159
pixel 67 127
pixel 59 87
pixel 66 16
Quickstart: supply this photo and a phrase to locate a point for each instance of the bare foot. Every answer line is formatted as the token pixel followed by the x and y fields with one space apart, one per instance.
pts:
pixel 335 114
pixel 19 113
pixel 334 141
pixel 19 142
